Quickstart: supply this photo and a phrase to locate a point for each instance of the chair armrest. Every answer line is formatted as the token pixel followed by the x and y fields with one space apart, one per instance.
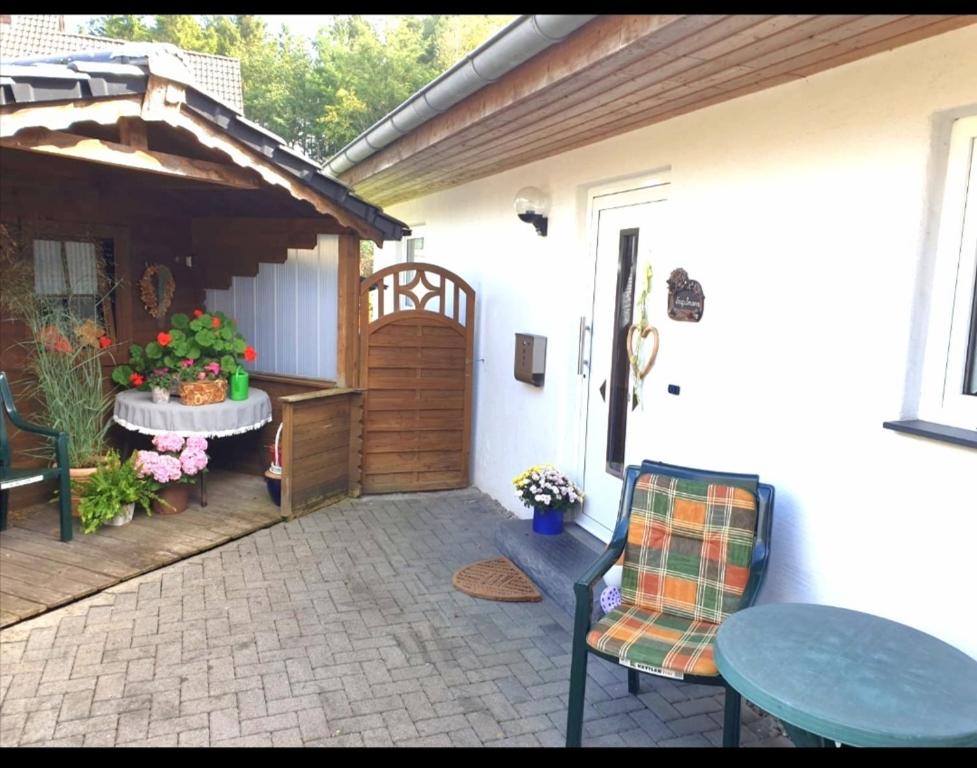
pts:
pixel 26 426
pixel 585 584
pixel 583 589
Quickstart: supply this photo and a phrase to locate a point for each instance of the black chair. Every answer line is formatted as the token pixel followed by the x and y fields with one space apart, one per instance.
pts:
pixel 14 478
pixel 669 623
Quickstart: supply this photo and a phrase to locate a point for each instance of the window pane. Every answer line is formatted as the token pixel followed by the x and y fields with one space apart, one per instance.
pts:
pixel 81 268
pixel 618 398
pixel 49 278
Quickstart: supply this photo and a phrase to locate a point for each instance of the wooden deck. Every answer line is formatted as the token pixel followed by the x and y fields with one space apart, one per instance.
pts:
pixel 39 572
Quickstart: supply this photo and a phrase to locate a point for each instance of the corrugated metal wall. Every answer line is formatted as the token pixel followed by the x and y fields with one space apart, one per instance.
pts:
pixel 289 311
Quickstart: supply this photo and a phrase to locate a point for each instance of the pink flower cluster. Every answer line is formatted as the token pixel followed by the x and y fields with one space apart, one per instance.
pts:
pixel 175 460
pixel 169 441
pixel 160 466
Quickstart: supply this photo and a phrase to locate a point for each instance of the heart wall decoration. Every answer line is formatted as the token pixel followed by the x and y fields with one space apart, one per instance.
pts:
pixel 633 354
pixel 637 334
pixel 156 289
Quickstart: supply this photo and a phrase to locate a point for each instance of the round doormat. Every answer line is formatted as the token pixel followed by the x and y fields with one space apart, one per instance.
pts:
pixel 496 579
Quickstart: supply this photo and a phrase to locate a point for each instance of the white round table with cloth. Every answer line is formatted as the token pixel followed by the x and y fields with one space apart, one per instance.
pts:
pixel 136 411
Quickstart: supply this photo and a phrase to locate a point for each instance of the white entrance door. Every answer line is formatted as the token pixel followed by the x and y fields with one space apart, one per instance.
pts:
pixel 628 232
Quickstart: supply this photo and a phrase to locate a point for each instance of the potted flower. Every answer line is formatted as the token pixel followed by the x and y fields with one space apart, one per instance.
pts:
pixel 160 383
pixel 110 495
pixel 203 349
pixel 171 468
pixel 548 492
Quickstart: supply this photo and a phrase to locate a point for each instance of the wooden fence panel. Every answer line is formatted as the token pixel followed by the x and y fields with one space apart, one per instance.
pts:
pixel 321 443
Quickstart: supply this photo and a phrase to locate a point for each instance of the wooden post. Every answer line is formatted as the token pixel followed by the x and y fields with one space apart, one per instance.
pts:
pixel 347 363
pixel 288 446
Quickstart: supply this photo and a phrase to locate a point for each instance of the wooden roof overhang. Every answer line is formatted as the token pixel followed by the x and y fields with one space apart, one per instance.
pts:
pixel 619 73
pixel 171 130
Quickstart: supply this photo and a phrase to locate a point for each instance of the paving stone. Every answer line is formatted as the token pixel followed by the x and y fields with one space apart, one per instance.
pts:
pixel 39 726
pixel 199 737
pixel 132 726
pixel 75 706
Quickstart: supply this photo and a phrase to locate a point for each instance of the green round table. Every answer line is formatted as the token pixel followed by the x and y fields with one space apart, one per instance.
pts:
pixel 850 677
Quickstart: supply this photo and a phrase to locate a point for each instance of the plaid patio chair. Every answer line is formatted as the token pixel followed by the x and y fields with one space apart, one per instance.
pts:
pixel 695 547
pixel 14 478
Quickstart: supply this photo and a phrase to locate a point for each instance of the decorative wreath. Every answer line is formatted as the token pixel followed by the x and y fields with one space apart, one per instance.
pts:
pixel 155 304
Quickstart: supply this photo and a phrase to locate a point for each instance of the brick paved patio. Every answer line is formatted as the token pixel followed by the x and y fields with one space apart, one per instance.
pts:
pixel 340 628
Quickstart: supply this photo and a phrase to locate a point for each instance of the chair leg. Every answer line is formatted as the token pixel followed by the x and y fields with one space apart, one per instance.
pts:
pixel 4 500
pixel 64 505
pixel 578 685
pixel 633 681
pixel 731 718
pixel 64 489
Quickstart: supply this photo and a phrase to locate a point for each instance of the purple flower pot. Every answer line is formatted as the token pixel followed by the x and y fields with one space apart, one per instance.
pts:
pixel 548 522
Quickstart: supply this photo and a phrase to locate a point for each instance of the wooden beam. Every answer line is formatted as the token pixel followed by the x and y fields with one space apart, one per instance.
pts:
pixel 164 102
pixel 16 117
pixel 72 146
pixel 132 133
pixel 211 136
pixel 348 374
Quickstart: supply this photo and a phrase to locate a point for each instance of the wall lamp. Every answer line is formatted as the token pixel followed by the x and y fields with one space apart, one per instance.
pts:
pixel 531 206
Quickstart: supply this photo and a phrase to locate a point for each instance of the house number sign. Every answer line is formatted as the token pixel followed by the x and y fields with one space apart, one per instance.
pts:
pixel 685 297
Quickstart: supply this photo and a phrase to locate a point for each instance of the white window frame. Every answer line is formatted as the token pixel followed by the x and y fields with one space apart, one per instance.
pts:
pixel 952 303
pixel 417 233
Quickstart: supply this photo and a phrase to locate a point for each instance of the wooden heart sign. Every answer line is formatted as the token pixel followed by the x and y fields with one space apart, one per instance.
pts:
pixel 642 371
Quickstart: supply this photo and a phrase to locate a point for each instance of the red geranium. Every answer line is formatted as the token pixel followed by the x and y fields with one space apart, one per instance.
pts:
pixel 197 312
pixel 216 322
pixel 137 379
pixel 163 338
pixel 249 354
pixel 104 341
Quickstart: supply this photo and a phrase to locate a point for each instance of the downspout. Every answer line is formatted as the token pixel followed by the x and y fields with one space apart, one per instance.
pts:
pixel 504 51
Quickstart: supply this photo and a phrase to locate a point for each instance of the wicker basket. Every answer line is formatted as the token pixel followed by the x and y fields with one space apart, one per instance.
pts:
pixel 203 392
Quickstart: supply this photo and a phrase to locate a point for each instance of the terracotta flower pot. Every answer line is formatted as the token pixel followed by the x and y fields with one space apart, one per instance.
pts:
pixel 177 495
pixel 80 476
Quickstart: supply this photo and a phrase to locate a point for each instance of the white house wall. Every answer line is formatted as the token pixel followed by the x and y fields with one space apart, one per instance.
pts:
pixel 806 213
pixel 289 311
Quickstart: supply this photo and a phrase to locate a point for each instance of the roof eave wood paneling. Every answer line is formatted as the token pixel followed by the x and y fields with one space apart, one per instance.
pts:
pixel 619 73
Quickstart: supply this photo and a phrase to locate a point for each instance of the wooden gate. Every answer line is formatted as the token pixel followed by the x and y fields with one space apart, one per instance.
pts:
pixel 417 331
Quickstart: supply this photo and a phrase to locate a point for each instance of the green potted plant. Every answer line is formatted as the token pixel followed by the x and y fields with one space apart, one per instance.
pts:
pixel 110 495
pixel 64 358
pixel 160 383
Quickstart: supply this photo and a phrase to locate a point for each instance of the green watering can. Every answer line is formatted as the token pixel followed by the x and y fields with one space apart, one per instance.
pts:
pixel 239 384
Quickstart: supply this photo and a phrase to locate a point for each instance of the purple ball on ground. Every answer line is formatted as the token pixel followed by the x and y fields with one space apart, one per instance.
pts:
pixel 610 599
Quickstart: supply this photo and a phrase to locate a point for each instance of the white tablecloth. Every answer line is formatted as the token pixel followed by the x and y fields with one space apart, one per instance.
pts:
pixel 136 410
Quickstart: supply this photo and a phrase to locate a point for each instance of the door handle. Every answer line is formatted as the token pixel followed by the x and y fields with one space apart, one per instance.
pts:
pixel 603 391
pixel 583 329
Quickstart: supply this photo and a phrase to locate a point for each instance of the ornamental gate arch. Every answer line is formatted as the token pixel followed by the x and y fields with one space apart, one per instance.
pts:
pixel 417 332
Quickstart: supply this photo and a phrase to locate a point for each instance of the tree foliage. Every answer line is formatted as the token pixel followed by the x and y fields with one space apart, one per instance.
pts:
pixel 319 96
